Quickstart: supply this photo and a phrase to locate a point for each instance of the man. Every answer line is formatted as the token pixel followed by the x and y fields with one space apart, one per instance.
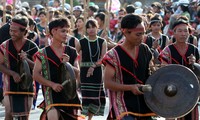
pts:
pixel 181 52
pixel 17 101
pixel 92 10
pixel 47 62
pixel 77 11
pixel 126 69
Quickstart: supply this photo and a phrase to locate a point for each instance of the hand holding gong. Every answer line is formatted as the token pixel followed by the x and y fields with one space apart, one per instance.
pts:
pixel 65 58
pixel 192 59
pixel 23 55
pixel 57 87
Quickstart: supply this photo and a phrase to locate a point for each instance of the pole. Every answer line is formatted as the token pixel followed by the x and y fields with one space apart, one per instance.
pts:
pixel 63 7
pixel 4 12
pixel 71 12
pixel 86 5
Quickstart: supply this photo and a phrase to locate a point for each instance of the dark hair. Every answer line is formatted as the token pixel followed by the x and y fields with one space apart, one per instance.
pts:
pixel 57 1
pixel 1 13
pixel 31 21
pixel 59 22
pixel 184 8
pixel 22 20
pixel 91 22
pixel 42 12
pixel 130 9
pixel 101 16
pixel 76 30
pixel 23 13
pixel 180 20
pixel 93 8
pixel 81 17
pixel 156 19
pixel 131 21
pixel 122 10
pixel 198 13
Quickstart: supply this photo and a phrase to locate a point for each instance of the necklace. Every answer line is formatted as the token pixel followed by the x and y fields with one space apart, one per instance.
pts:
pixel 97 52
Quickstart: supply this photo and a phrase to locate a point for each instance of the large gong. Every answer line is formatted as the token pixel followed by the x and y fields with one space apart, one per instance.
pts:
pixel 175 91
pixel 68 80
pixel 25 73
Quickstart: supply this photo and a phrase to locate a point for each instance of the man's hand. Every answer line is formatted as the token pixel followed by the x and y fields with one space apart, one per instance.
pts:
pixel 192 59
pixel 23 55
pixel 65 58
pixel 135 89
pixel 16 77
pixel 155 44
pixel 57 87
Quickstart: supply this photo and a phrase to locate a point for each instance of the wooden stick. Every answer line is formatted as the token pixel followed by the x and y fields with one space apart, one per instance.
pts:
pixel 104 32
pixel 4 12
pixel 14 7
pixel 109 14
pixel 85 16
pixel 71 13
pixel 63 7
pixel 47 28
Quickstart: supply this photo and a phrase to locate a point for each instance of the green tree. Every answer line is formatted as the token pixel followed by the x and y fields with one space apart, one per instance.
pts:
pixel 75 2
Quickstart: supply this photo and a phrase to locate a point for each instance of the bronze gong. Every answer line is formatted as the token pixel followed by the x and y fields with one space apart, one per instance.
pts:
pixel 68 80
pixel 174 93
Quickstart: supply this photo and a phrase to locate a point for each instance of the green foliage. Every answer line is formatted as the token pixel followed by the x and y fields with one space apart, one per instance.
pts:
pixel 75 2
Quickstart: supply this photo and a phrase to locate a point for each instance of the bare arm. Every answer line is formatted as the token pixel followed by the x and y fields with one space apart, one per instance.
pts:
pixel 109 74
pixel 77 70
pixel 7 71
pixel 78 47
pixel 103 52
pixel 167 41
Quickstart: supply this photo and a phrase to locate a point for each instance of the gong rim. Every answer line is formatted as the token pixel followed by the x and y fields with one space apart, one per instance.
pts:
pixel 166 105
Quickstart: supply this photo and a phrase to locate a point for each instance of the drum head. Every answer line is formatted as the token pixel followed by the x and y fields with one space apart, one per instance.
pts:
pixel 68 80
pixel 175 91
pixel 25 73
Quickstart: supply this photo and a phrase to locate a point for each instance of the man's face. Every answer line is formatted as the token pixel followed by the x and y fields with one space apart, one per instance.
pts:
pixel 60 34
pixel 135 36
pixel 90 13
pixel 100 22
pixel 15 33
pixel 181 33
pixel 77 13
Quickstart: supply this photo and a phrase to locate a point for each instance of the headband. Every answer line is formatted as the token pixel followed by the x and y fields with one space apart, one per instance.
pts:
pixel 17 24
pixel 180 25
pixel 153 21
